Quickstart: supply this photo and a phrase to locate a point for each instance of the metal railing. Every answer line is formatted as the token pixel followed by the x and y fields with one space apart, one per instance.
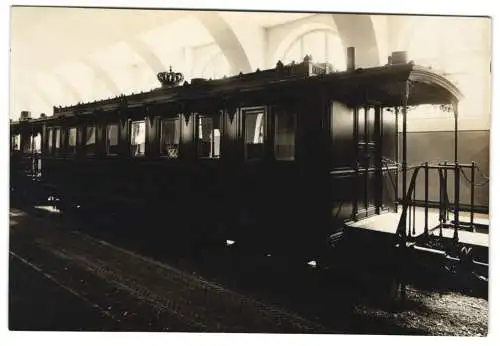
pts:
pixel 407 225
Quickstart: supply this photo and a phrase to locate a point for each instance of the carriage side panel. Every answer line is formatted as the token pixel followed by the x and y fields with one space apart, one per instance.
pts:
pixel 342 173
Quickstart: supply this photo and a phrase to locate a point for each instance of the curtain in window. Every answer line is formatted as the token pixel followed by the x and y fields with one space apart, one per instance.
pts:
pixel 139 133
pixel 254 128
pixel 37 142
pixel 254 134
pixel 112 139
pixel 112 135
pixel 170 137
pixel 258 136
pixel 28 145
pixel 205 128
pixel 72 137
pixel 208 137
pixel 90 135
pixel 138 138
pixel 90 142
pixel 58 138
pixel 16 142
pixel 49 139
pixel 215 140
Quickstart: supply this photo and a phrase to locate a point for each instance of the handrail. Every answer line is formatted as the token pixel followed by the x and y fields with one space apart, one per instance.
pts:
pixel 401 230
pixel 405 230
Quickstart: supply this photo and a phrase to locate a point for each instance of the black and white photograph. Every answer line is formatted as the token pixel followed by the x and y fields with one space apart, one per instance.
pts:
pixel 197 170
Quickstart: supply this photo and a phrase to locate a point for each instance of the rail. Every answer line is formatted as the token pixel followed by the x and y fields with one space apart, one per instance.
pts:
pixel 406 228
pixel 406 238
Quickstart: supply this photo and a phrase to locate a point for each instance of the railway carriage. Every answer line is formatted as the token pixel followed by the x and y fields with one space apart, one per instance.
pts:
pixel 278 159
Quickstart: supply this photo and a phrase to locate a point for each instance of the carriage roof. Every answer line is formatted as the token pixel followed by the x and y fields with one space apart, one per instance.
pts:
pixel 384 85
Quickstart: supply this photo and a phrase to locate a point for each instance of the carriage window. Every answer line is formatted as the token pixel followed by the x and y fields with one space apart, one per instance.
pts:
pixel 58 138
pixel 37 143
pixel 72 140
pixel 16 142
pixel 90 140
pixel 28 145
pixel 138 138
pixel 254 134
pixel 112 139
pixel 170 137
pixel 284 137
pixel 208 138
pixel 49 140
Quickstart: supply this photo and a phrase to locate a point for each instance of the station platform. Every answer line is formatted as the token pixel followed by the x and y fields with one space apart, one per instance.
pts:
pixel 387 223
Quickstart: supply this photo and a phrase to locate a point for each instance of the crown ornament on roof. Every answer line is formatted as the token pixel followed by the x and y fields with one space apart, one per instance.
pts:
pixel 170 79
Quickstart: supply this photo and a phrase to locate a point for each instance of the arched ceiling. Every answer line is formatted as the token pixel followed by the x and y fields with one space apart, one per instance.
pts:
pixel 62 56
pixel 68 33
pixel 358 31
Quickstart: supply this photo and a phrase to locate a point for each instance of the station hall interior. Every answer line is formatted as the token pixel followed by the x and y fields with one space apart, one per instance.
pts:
pixel 84 63
pixel 226 145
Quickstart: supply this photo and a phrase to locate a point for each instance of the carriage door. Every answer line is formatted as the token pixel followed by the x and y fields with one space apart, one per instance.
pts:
pixel 368 149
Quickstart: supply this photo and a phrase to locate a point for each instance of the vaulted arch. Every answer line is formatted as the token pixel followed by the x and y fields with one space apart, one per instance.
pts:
pixel 44 97
pixel 147 54
pixel 323 45
pixel 227 40
pixel 354 30
pixel 31 100
pixel 357 30
pixel 100 73
pixel 68 87
pixel 292 35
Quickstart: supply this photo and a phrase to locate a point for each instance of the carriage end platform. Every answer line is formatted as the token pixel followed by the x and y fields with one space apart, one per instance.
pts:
pixel 439 246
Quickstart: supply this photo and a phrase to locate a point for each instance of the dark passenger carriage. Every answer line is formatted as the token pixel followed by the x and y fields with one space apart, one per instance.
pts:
pixel 277 159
